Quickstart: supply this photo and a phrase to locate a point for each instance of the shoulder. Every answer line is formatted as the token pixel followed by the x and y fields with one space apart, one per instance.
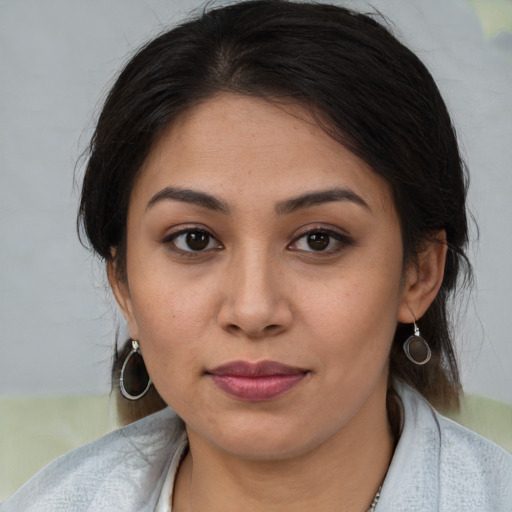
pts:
pixel 120 471
pixel 440 465
pixel 474 467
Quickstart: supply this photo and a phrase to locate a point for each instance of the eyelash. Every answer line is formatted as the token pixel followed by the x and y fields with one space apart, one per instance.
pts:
pixel 170 242
pixel 342 241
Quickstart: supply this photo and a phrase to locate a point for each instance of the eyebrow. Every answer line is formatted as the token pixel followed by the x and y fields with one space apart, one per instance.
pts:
pixel 303 201
pixel 186 195
pixel 322 196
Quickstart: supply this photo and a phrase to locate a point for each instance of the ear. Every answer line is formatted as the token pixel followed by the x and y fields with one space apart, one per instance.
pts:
pixel 423 279
pixel 121 291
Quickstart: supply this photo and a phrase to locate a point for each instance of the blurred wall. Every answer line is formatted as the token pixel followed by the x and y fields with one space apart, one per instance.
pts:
pixel 58 58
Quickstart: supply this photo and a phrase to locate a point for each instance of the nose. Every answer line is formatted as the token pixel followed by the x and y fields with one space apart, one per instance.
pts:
pixel 254 303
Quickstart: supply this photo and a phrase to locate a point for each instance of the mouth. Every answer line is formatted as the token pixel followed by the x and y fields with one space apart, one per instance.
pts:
pixel 256 382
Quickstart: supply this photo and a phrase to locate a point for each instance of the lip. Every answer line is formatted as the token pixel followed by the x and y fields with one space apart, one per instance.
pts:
pixel 256 382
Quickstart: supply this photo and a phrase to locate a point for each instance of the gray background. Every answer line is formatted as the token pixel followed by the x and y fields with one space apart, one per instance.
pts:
pixel 58 58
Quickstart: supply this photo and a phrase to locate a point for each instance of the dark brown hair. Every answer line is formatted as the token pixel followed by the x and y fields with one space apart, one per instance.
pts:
pixel 367 90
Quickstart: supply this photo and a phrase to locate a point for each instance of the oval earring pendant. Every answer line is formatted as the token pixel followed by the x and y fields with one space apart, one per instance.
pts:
pixel 416 348
pixel 134 381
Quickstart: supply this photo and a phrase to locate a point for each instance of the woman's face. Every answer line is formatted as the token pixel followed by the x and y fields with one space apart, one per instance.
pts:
pixel 264 278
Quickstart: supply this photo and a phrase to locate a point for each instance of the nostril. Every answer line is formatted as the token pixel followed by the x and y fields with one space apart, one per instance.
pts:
pixel 269 330
pixel 233 329
pixel 254 318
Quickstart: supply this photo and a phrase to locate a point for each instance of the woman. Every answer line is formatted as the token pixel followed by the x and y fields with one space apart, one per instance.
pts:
pixel 278 195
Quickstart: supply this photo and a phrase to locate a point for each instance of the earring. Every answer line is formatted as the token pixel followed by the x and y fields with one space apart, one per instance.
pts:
pixel 416 348
pixel 134 381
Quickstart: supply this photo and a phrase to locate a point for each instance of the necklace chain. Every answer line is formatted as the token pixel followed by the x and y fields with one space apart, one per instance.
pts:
pixel 375 501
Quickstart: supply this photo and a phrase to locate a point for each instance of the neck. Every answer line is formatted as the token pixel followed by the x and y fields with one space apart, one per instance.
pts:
pixel 342 474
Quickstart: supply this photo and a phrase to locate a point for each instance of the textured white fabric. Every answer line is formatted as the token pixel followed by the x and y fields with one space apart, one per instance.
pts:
pixel 438 466
pixel 121 472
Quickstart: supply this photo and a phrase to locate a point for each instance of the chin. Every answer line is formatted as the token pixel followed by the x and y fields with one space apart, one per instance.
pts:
pixel 266 442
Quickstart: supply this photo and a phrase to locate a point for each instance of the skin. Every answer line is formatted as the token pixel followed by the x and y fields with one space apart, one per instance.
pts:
pixel 258 291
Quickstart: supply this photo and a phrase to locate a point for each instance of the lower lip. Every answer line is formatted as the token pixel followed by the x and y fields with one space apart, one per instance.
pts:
pixel 257 389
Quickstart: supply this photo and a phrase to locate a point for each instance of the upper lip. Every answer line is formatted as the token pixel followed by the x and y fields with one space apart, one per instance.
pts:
pixel 259 369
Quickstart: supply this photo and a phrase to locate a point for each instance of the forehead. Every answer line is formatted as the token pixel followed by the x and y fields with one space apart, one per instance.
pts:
pixel 237 146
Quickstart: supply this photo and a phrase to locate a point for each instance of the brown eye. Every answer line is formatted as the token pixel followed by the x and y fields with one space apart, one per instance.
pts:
pixel 318 241
pixel 322 241
pixel 197 240
pixel 192 240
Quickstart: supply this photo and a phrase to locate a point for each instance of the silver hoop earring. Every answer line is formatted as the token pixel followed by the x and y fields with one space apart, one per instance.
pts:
pixel 416 348
pixel 133 373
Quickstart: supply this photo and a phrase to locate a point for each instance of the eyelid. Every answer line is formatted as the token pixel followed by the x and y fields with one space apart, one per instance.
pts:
pixel 169 238
pixel 338 234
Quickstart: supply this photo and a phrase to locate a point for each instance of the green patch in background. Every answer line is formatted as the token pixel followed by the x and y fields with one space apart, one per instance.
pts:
pixel 495 15
pixel 35 431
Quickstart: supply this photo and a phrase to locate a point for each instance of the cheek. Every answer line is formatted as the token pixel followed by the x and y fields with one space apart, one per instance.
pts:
pixel 168 300
pixel 353 322
pixel 173 316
